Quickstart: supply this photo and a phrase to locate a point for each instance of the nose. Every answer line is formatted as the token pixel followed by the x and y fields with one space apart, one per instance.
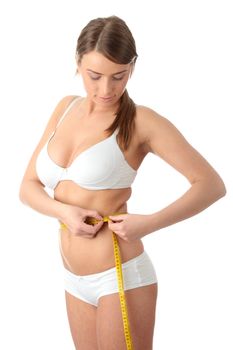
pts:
pixel 106 88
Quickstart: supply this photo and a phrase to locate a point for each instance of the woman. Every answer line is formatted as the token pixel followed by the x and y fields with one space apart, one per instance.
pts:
pixel 89 155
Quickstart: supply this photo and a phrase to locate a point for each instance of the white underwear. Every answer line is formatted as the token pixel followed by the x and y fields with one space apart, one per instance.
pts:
pixel 137 272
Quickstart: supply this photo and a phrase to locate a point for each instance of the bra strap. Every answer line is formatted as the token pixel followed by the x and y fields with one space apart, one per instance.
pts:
pixel 67 110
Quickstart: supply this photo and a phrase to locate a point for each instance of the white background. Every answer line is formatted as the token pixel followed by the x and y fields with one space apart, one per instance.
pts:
pixel 184 72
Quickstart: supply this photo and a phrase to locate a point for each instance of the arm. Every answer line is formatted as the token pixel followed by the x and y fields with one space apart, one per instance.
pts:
pixel 33 194
pixel 32 191
pixel 163 139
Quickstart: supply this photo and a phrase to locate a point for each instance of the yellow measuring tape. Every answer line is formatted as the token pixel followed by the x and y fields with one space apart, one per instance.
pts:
pixel 120 282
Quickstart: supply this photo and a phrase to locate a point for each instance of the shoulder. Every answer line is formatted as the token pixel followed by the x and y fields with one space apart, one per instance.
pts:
pixel 150 126
pixel 57 114
pixel 51 125
pixel 61 107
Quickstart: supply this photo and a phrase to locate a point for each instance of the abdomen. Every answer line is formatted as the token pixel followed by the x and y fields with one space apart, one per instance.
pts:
pixel 84 256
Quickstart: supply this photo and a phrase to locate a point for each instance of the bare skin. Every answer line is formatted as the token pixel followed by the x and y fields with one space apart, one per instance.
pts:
pixel 88 249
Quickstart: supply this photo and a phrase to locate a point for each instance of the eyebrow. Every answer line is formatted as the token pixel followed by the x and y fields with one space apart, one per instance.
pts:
pixel 90 70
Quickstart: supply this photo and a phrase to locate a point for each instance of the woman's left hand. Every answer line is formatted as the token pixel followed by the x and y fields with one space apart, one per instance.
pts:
pixel 130 227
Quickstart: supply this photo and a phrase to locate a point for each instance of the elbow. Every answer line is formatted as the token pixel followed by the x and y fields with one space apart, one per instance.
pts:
pixel 219 188
pixel 28 189
pixel 22 193
pixel 212 188
pixel 222 189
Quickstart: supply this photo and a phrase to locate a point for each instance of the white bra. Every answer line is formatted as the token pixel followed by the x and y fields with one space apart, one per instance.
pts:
pixel 101 166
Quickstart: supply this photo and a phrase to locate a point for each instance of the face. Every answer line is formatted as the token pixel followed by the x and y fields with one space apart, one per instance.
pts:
pixel 104 80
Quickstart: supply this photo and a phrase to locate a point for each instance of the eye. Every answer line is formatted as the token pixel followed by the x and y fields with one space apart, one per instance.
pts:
pixel 94 77
pixel 120 78
pixel 97 77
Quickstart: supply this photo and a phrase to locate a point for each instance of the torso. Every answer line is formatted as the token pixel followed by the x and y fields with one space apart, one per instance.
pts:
pixel 84 256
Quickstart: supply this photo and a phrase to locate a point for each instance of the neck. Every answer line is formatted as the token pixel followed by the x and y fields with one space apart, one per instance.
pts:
pixel 94 109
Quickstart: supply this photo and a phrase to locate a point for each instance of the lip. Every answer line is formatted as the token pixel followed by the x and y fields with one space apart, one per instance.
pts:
pixel 106 98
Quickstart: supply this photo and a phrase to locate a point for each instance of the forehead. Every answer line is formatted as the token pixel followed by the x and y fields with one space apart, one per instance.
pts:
pixel 99 63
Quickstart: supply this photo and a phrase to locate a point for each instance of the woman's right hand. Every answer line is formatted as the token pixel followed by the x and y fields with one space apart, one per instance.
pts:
pixel 74 218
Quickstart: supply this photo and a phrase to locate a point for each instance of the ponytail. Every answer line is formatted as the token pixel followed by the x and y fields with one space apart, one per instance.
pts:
pixel 125 120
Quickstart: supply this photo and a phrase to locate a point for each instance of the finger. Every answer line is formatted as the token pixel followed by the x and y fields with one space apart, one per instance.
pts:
pixel 94 227
pixel 117 217
pixel 94 214
pixel 113 225
pixel 87 229
pixel 97 226
pixel 92 221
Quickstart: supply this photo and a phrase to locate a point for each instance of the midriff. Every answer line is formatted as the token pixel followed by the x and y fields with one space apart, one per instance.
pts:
pixel 82 255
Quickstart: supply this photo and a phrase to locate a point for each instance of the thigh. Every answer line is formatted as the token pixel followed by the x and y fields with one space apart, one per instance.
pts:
pixel 141 304
pixel 82 320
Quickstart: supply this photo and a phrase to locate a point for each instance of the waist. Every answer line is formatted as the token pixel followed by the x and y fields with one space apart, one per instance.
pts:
pixel 84 256
pixel 92 221
pixel 104 201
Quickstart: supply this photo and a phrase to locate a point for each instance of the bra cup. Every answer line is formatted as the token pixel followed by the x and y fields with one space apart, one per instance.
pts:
pixel 48 172
pixel 102 166
pixel 94 166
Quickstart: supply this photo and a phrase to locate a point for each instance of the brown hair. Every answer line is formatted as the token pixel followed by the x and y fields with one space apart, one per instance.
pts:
pixel 111 37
